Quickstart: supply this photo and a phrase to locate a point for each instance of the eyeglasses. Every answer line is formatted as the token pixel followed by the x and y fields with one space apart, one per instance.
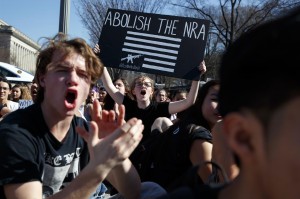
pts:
pixel 141 84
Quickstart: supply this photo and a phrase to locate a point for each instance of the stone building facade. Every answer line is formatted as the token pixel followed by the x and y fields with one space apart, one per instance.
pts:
pixel 16 48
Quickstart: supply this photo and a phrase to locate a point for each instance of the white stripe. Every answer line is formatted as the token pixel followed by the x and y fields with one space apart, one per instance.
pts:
pixel 159 61
pixel 152 42
pixel 151 48
pixel 148 53
pixel 158 68
pixel 154 36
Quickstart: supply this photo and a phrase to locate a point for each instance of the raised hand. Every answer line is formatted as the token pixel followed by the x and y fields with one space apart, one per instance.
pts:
pixel 202 67
pixel 107 121
pixel 96 49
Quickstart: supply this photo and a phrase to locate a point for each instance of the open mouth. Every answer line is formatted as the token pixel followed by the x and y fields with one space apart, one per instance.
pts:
pixel 143 92
pixel 71 96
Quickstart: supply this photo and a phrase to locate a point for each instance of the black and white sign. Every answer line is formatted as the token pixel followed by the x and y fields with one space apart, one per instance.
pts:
pixel 152 43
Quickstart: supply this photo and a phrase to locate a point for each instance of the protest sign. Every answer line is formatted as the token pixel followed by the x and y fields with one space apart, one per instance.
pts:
pixel 152 43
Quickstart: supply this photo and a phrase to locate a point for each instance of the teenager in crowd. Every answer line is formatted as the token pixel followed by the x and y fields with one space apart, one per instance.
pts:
pixel 16 92
pixel 188 141
pixel 179 95
pixel 123 86
pixel 20 93
pixel 5 91
pixel 102 94
pixel 142 107
pixel 43 156
pixel 88 105
pixel 33 90
pixel 161 95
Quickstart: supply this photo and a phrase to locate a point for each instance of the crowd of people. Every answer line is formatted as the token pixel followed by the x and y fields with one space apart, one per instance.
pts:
pixel 233 137
pixel 15 96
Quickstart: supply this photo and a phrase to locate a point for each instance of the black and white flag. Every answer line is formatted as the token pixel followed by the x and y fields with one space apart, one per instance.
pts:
pixel 151 43
pixel 158 52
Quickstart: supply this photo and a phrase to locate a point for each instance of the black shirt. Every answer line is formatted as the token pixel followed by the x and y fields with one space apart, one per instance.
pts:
pixel 29 152
pixel 147 115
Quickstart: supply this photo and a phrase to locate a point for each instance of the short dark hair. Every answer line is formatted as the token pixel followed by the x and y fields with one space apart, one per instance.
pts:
pixel 260 70
pixel 4 79
pixel 102 88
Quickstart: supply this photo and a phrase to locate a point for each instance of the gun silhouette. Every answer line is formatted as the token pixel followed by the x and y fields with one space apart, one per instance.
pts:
pixel 130 58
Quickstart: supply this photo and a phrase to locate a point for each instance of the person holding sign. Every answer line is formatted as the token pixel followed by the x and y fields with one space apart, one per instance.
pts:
pixel 146 109
pixel 143 107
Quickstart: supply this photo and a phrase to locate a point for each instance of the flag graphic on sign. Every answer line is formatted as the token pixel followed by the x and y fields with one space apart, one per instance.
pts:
pixel 158 52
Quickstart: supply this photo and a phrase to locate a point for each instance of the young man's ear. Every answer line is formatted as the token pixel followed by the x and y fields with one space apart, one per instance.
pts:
pixel 244 134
